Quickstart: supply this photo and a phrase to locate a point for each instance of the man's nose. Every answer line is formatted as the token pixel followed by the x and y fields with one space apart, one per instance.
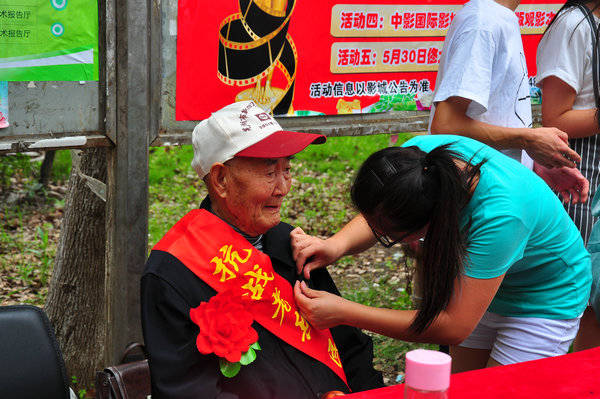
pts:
pixel 282 185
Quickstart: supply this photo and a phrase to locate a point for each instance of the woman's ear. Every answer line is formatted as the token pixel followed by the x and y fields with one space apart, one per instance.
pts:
pixel 218 177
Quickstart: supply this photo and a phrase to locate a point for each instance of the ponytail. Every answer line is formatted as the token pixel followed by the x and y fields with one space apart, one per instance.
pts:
pixel 405 189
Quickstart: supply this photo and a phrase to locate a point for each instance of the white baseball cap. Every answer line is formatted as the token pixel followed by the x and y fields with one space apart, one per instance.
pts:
pixel 244 129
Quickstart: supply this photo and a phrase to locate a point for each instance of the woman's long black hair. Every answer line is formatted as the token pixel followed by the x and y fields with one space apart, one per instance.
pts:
pixel 595 43
pixel 403 189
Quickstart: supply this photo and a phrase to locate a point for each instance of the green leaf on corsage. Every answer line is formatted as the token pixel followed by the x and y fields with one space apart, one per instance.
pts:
pixel 250 355
pixel 229 369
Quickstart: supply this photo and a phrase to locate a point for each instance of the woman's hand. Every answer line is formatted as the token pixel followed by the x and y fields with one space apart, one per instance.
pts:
pixel 320 308
pixel 569 182
pixel 311 252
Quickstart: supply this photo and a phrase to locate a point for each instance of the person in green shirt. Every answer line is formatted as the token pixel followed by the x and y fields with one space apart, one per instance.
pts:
pixel 505 274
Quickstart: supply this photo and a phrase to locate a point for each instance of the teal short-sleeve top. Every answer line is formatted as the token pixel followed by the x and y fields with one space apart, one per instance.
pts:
pixel 519 229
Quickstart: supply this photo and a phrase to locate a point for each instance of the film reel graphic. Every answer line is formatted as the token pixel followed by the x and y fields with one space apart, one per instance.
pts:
pixel 253 45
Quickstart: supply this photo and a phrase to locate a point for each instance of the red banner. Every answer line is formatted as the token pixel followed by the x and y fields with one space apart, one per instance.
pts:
pixel 304 57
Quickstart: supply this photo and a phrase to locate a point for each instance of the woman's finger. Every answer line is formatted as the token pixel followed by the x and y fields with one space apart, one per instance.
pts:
pixel 307 291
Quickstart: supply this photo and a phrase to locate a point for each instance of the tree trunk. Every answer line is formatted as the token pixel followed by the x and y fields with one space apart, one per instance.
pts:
pixel 46 167
pixel 76 299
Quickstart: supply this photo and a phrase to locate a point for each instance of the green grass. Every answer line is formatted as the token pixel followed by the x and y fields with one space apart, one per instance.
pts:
pixel 168 162
pixel 61 168
pixel 28 238
pixel 338 154
pixel 174 189
pixel 43 253
pixel 13 168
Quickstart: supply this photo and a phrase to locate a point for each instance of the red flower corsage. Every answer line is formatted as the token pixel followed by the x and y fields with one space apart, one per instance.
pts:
pixel 226 330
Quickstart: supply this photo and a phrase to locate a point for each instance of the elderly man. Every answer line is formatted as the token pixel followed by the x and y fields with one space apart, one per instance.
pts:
pixel 218 311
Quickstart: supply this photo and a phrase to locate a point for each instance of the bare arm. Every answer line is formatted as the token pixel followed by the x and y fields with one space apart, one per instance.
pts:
pixel 547 146
pixel 557 110
pixel 354 237
pixel 471 299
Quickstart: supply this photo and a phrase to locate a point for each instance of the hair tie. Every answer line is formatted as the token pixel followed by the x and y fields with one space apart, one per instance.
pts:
pixel 425 164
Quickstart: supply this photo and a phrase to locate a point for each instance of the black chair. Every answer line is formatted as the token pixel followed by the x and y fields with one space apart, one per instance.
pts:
pixel 31 363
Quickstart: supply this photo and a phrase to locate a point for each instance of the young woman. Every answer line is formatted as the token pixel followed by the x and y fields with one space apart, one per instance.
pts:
pixel 567 72
pixel 505 275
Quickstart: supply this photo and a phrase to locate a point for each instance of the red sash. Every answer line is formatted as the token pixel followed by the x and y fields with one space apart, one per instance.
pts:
pixel 223 259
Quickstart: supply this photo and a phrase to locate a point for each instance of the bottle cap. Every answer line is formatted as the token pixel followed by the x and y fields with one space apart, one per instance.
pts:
pixel 427 370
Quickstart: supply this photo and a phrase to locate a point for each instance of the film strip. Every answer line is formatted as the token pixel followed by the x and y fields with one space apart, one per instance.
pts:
pixel 253 45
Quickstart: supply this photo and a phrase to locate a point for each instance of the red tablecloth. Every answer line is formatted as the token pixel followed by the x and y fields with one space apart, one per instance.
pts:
pixel 575 375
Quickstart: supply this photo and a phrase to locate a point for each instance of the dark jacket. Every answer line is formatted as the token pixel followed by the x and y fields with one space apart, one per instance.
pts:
pixel 169 290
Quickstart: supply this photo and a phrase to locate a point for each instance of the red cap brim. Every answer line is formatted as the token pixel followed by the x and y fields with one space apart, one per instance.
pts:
pixel 281 144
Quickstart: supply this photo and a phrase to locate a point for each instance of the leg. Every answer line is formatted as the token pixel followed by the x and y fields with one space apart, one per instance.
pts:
pixel 466 359
pixel 589 331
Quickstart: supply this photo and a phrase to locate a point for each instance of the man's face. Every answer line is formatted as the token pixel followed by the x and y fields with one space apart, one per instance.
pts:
pixel 255 191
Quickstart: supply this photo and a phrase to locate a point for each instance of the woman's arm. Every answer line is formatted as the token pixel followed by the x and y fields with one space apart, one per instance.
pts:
pixel 312 252
pixel 547 146
pixel 557 110
pixel 471 299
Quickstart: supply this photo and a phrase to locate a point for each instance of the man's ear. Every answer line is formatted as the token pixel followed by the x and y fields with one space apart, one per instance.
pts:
pixel 218 177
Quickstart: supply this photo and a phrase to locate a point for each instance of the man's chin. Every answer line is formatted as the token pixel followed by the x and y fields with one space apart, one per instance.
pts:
pixel 268 226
